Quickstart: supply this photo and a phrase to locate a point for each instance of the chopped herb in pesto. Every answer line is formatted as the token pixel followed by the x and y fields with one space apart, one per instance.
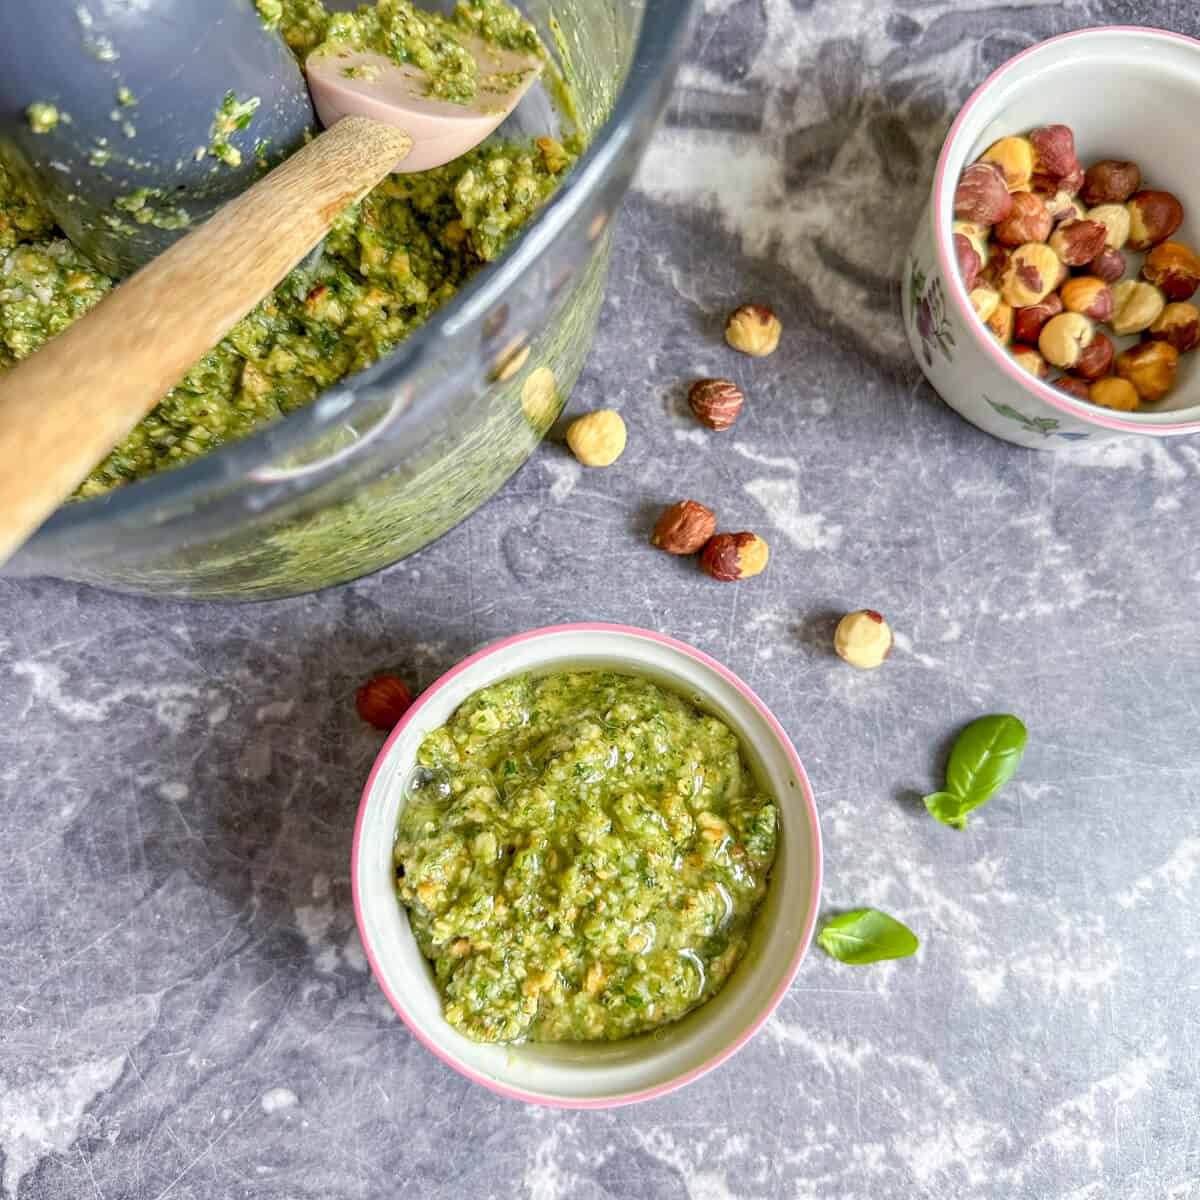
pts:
pixel 43 117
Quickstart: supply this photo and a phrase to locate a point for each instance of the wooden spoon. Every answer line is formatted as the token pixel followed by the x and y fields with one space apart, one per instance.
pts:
pixel 66 406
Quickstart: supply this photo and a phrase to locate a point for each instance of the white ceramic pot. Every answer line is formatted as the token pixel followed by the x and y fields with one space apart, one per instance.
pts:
pixel 1128 93
pixel 598 1074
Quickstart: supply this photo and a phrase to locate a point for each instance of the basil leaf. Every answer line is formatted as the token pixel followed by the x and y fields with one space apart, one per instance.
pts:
pixel 948 808
pixel 866 936
pixel 985 757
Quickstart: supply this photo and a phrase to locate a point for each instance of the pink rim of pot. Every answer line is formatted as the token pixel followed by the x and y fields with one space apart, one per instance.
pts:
pixel 805 938
pixel 948 262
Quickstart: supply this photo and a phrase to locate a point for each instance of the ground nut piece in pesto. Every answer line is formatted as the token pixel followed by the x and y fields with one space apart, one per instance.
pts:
pixel 581 857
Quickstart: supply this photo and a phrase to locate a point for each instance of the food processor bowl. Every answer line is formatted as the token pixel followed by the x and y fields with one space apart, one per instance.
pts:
pixel 389 459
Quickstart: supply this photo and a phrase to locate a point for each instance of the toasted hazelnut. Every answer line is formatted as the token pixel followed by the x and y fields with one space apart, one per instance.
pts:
pixel 1053 152
pixel 1108 265
pixel 984 300
pixel 1115 219
pixel 1029 221
pixel 1031 275
pixel 1136 306
pixel 1097 358
pixel 716 402
pixel 1110 181
pixel 1175 268
pixel 982 195
pixel 1001 323
pixel 753 329
pixel 1112 392
pixel 1179 325
pixel 382 701
pixel 1088 295
pixel 969 262
pixel 684 528
pixel 1030 360
pixel 1014 156
pixel 1153 217
pixel 1078 242
pixel 1062 206
pixel 730 556
pixel 977 235
pixel 997 263
pixel 1072 181
pixel 597 439
pixel 1151 368
pixel 1078 388
pixel 1028 321
pixel 863 639
pixel 1064 338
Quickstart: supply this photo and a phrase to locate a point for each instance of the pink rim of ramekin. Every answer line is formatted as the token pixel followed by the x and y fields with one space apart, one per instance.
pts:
pixel 805 937
pixel 949 266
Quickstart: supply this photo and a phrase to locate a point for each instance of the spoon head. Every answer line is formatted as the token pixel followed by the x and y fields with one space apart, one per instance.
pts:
pixel 345 83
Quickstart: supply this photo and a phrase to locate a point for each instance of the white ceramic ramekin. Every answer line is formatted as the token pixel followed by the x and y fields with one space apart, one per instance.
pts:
pixel 1128 93
pixel 596 1075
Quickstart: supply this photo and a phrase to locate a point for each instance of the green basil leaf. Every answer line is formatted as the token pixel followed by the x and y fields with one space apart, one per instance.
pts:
pixel 985 757
pixel 866 936
pixel 948 808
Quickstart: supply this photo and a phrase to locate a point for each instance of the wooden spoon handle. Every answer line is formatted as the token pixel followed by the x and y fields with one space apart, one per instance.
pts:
pixel 65 407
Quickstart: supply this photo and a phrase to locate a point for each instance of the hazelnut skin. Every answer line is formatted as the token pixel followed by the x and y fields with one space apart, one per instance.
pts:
pixel 1153 217
pixel 1028 359
pixel 1136 306
pixel 730 556
pixel 1053 151
pixel 753 329
pixel 863 639
pixel 969 263
pixel 1175 268
pixel 1014 156
pixel 977 235
pixel 1097 358
pixel 1110 181
pixel 1151 368
pixel 1062 206
pixel 598 438
pixel 1113 392
pixel 1031 275
pixel 1088 295
pixel 1078 242
pixel 984 300
pixel 997 263
pixel 1179 325
pixel 684 528
pixel 1072 181
pixel 982 195
pixel 716 403
pixel 1064 338
pixel 1078 388
pixel 1029 221
pixel 382 701
pixel 1001 323
pixel 1028 321
pixel 1108 265
pixel 1115 218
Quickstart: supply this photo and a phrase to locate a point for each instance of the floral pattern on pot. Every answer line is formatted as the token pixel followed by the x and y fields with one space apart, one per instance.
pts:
pixel 1046 426
pixel 928 304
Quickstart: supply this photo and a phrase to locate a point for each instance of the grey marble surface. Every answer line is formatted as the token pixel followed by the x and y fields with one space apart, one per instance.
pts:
pixel 185 1010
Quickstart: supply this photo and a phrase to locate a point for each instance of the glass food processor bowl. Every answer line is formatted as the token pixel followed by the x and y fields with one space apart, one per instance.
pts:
pixel 386 461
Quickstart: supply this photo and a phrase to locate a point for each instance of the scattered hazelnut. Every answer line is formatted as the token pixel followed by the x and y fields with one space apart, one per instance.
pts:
pixel 1088 295
pixel 1097 358
pixel 598 438
pixel 1031 275
pixel 1153 217
pixel 1062 206
pixel 1064 338
pixel 1179 325
pixel 1078 242
pixel 1030 360
pixel 969 262
pixel 1028 321
pixel 1014 156
pixel 1108 265
pixel 1001 322
pixel 684 528
pixel 1053 152
pixel 863 639
pixel 984 300
pixel 1136 306
pixel 1073 387
pixel 1112 392
pixel 730 556
pixel 1110 181
pixel 1175 268
pixel 753 329
pixel 716 402
pixel 1115 219
pixel 1151 368
pixel 382 701
pixel 982 195
pixel 1029 221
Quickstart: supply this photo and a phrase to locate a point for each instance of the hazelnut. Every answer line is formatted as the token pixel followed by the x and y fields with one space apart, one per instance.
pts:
pixel 1151 368
pixel 863 639
pixel 1114 393
pixel 716 402
pixel 1014 156
pixel 1175 268
pixel 1088 295
pixel 1136 306
pixel 969 262
pixel 1064 338
pixel 1179 326
pixel 977 235
pixel 1053 152
pixel 1030 360
pixel 1073 387
pixel 382 701
pixel 1072 181
pixel 1001 323
pixel 1097 358
pixel 1078 242
pixel 1029 221
pixel 1110 181
pixel 1108 265
pixel 730 556
pixel 1031 275
pixel 1153 217
pixel 982 195
pixel 984 300
pixel 684 528
pixel 1115 218
pixel 1028 321
pixel 1062 206
pixel 753 329
pixel 597 439
pixel 997 263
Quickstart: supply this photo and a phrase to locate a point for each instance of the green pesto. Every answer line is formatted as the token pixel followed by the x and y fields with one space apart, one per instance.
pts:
pixel 231 117
pixel 142 207
pixel 581 858
pixel 43 117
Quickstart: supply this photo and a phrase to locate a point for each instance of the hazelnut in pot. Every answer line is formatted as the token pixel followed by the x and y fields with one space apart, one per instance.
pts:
pixel 1110 181
pixel 1096 359
pixel 1108 265
pixel 1151 368
pixel 969 262
pixel 1064 338
pixel 982 195
pixel 1028 359
pixel 1078 242
pixel 1029 221
pixel 1136 306
pixel 1173 267
pixel 1079 388
pixel 1153 217
pixel 1031 275
pixel 1088 295
pixel 1113 392
pixel 1028 321
pixel 1179 325
pixel 1014 156
pixel 1001 324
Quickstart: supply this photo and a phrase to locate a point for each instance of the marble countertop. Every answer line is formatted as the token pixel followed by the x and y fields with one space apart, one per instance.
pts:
pixel 187 1012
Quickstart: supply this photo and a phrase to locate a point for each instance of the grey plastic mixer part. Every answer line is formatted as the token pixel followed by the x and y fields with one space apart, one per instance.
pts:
pixel 178 59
